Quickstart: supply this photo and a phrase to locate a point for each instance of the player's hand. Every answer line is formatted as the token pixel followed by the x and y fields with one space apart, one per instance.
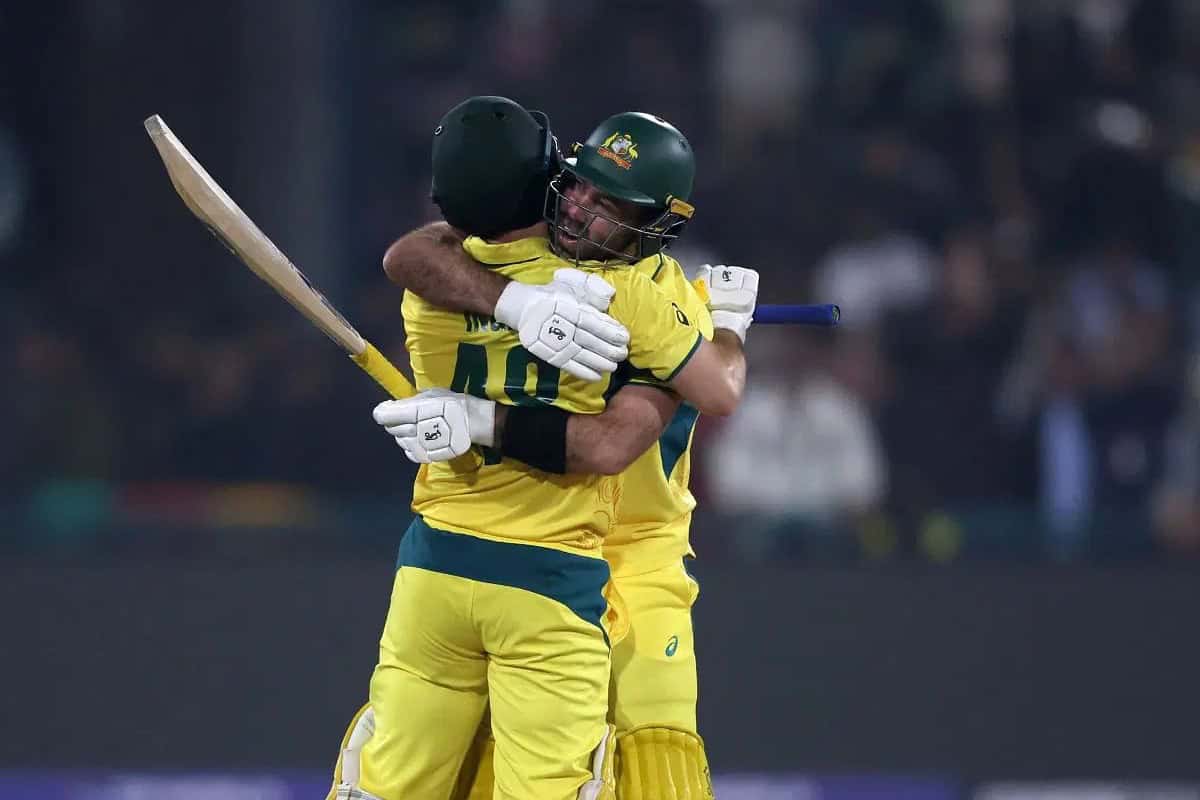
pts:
pixel 591 289
pixel 437 424
pixel 561 324
pixel 732 295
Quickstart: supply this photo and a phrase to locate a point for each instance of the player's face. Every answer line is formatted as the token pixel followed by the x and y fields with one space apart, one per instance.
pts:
pixel 594 223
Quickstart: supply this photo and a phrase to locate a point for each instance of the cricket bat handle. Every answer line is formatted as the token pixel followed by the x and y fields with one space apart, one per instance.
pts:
pixel 376 364
pixel 825 315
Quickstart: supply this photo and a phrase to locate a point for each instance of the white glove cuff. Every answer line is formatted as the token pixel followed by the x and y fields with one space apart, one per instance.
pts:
pixel 735 321
pixel 481 420
pixel 513 300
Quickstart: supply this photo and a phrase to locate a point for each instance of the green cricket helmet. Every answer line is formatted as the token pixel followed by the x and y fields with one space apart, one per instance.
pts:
pixel 640 159
pixel 492 162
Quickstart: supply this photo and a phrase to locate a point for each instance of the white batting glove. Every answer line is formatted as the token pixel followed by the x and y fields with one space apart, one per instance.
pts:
pixel 561 323
pixel 732 295
pixel 437 424
pixel 591 289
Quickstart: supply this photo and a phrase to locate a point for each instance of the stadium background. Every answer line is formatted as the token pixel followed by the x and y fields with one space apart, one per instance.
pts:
pixel 948 550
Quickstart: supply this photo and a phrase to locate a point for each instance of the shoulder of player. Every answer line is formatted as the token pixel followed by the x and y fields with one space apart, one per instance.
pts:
pixel 534 271
pixel 669 279
pixel 632 287
pixel 673 281
pixel 665 268
pixel 422 317
pixel 528 259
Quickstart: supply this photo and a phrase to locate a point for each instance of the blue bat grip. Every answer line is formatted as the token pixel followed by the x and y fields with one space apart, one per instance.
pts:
pixel 825 315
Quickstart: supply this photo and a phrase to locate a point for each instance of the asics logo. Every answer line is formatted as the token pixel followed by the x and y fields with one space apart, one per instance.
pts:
pixel 672 646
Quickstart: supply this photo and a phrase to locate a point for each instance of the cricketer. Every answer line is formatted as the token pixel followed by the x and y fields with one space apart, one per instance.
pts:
pixel 499 592
pixel 644 434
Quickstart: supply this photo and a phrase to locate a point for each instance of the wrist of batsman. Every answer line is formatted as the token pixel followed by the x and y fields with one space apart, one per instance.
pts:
pixel 535 435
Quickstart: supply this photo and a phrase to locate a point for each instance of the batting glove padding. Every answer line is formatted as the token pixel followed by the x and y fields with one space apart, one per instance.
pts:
pixel 732 295
pixel 564 324
pixel 438 425
pixel 591 289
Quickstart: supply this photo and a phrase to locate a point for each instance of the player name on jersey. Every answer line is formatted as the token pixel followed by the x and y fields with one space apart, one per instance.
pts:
pixel 482 322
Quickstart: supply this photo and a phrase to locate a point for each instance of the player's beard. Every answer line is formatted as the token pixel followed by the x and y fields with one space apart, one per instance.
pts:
pixel 574 241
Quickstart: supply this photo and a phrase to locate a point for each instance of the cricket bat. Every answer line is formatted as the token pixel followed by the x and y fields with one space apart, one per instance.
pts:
pixel 212 206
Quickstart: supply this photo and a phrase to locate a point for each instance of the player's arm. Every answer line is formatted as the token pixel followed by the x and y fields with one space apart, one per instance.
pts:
pixel 710 375
pixel 606 443
pixel 714 378
pixel 562 323
pixel 430 262
pixel 438 425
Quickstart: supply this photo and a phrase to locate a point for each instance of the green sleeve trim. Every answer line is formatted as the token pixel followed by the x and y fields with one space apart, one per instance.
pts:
pixel 686 359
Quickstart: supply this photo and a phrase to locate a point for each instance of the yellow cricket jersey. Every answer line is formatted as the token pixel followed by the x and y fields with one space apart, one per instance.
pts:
pixel 498 498
pixel 654 503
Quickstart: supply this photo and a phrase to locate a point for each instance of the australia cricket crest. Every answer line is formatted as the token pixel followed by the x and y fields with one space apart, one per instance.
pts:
pixel 620 149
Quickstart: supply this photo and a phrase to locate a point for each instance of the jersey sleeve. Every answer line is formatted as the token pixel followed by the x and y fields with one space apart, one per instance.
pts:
pixel 690 298
pixel 662 336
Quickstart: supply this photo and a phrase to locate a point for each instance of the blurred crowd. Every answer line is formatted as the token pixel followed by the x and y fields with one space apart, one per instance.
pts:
pixel 1002 195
